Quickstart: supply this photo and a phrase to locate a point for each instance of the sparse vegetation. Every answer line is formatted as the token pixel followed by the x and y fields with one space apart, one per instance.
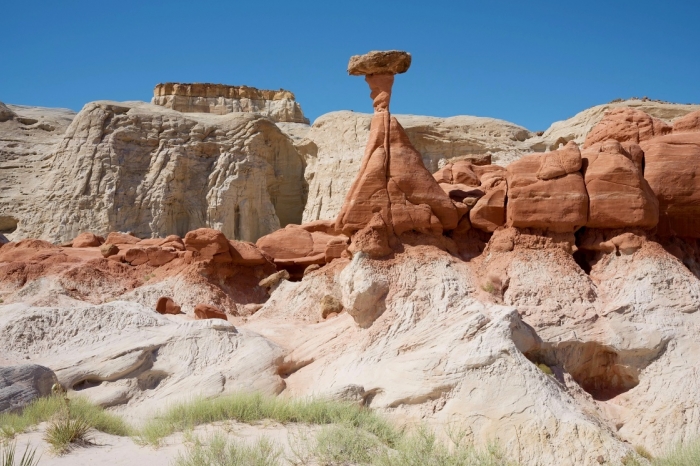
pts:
pixel 250 407
pixel 8 455
pixel 46 409
pixel 681 455
pixel 488 287
pixel 222 452
pixel 643 452
pixel 545 368
pixel 66 431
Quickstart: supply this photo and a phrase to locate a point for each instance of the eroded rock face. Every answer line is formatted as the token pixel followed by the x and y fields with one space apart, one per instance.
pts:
pixel 154 171
pixel 221 99
pixel 558 204
pixel 626 125
pixel 672 170
pixel 618 193
pixel 20 385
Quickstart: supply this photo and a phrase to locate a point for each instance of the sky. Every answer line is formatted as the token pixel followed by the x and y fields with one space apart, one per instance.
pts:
pixel 531 63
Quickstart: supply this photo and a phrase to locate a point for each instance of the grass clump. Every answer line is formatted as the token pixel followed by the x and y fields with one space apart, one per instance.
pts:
pixel 338 444
pixel 47 409
pixel 251 407
pixel 65 432
pixel 222 452
pixel 8 456
pixel 681 455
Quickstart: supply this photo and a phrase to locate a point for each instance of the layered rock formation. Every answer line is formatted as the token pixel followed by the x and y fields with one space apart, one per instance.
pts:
pixel 154 171
pixel 221 99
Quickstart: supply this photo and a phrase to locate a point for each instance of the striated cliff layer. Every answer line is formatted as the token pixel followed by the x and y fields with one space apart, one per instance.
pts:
pixel 221 99
pixel 155 171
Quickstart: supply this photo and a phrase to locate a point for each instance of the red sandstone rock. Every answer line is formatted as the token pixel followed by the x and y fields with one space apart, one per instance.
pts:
pixel 205 311
pixel 626 125
pixel 558 205
pixel 560 162
pixel 672 168
pixel 461 172
pixel 159 256
pixel 166 305
pixel 210 244
pixel 489 212
pixel 619 196
pixel 373 239
pixel 244 253
pixel 136 256
pixel 295 246
pixel 690 122
pixel 121 238
pixel 87 240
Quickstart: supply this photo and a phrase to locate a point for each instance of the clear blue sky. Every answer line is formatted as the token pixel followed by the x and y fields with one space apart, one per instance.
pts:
pixel 527 62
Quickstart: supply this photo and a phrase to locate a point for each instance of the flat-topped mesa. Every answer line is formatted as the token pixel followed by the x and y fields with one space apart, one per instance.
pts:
pixel 393 192
pixel 221 99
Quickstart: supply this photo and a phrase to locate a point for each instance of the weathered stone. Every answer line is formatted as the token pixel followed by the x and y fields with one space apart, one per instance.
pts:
pixel 626 125
pixel 87 240
pixel 166 305
pixel 20 385
pixel 108 250
pixel 206 311
pixel 379 62
pixel 330 305
pixel 221 99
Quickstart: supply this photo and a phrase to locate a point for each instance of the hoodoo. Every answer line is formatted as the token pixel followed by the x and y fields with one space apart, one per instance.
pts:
pixel 393 187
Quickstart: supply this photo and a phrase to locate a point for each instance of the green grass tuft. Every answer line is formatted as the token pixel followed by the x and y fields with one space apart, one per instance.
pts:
pixel 251 407
pixel 45 409
pixel 8 456
pixel 65 432
pixel 221 452
pixel 681 455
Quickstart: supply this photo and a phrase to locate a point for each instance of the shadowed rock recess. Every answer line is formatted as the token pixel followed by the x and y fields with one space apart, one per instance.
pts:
pixel 541 292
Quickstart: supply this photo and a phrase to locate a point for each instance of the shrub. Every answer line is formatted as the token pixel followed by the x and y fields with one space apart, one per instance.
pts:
pixel 65 431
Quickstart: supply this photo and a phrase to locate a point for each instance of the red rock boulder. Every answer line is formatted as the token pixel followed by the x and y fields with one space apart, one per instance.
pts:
pixel 558 204
pixel 246 254
pixel 210 244
pixel 87 240
pixel 205 311
pixel 626 125
pixel 295 246
pixel 121 238
pixel 166 305
pixel 619 196
pixel 672 168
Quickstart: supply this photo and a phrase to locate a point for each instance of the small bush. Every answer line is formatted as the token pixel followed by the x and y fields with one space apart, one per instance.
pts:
pixel 220 452
pixel 8 457
pixel 346 445
pixel 488 287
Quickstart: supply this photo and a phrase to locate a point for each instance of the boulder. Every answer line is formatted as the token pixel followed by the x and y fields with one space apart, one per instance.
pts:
pixel 619 196
pixel 108 250
pixel 136 256
pixel 560 162
pixel 273 281
pixel 121 238
pixel 626 125
pixel 489 212
pixel 158 256
pixel 245 253
pixel 206 311
pixel 295 246
pixel 87 240
pixel 558 204
pixel 672 168
pixel 374 239
pixel 166 305
pixel 20 385
pixel 460 172
pixel 379 62
pixel 210 244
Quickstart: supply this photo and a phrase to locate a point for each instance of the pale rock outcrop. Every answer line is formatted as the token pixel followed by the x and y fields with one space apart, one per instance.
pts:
pixel 123 352
pixel 221 99
pixel 434 353
pixel 155 171
pixel 28 136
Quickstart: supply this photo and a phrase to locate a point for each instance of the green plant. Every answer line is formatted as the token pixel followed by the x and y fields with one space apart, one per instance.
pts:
pixel 338 444
pixel 7 456
pixel 251 407
pixel 643 452
pixel 545 368
pixel 44 409
pixel 488 287
pixel 221 452
pixel 681 455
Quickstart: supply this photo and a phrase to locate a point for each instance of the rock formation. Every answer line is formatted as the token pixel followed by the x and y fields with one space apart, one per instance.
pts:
pixel 392 180
pixel 155 171
pixel 221 99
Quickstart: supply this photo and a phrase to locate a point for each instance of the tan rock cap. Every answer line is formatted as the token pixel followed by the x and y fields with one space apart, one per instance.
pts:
pixel 378 62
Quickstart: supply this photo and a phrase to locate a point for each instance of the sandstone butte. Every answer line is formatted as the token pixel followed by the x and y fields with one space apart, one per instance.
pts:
pixel 548 302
